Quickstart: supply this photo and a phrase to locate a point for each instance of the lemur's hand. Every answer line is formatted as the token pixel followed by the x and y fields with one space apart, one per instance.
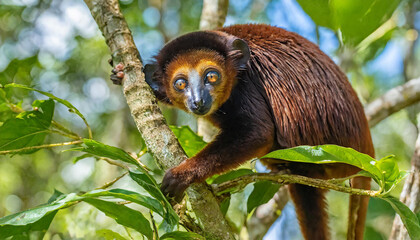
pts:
pixel 174 183
pixel 117 73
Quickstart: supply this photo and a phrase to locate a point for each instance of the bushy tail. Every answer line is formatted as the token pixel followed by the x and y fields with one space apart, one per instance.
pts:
pixel 311 211
pixel 358 209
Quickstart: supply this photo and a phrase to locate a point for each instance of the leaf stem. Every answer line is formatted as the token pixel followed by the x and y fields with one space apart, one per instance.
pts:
pixel 112 162
pixel 155 231
pixel 108 184
pixel 284 179
pixel 60 127
pixel 64 134
pixel 40 147
pixel 129 234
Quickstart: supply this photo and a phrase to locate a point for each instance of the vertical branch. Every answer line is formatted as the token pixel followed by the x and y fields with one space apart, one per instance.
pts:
pixel 160 140
pixel 410 59
pixel 411 41
pixel 411 190
pixel 410 195
pixel 213 16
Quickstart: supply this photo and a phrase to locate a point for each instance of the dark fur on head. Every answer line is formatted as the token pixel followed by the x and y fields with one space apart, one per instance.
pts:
pixel 231 48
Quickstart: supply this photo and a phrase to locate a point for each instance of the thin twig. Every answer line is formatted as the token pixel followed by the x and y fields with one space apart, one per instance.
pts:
pixel 137 158
pixel 155 231
pixel 109 184
pixel 40 147
pixel 60 127
pixel 110 161
pixel 63 134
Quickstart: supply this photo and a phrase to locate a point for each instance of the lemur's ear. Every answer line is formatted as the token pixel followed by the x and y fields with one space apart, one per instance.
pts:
pixel 149 70
pixel 244 53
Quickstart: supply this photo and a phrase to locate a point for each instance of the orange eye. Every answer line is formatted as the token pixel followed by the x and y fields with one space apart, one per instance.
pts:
pixel 180 84
pixel 212 77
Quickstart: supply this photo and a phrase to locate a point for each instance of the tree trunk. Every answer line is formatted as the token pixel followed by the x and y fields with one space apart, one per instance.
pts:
pixel 410 195
pixel 160 140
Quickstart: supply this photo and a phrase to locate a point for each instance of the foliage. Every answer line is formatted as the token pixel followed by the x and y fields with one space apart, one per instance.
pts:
pixel 22 133
pixel 384 172
pixel 28 128
pixel 190 142
pixel 366 15
pixel 76 69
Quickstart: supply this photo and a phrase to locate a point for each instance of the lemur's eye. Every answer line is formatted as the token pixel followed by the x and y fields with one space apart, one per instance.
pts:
pixel 212 77
pixel 180 84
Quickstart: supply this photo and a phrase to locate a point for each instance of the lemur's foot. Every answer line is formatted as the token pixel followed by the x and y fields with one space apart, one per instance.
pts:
pixel 117 73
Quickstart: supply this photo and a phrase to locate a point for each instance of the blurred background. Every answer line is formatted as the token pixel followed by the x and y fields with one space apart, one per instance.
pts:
pixel 55 46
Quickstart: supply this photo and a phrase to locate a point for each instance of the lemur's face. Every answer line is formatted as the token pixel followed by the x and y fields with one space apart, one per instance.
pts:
pixel 196 72
pixel 198 82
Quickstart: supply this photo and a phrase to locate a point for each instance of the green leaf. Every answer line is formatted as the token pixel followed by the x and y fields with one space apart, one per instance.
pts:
pixel 5 110
pixel 232 175
pixel 3 97
pixel 320 11
pixel 391 172
pixel 329 154
pixel 150 185
pixel 36 219
pixel 356 19
pixel 19 70
pixel 409 219
pixel 56 196
pixel 62 101
pixel 34 230
pixel 83 156
pixel 28 128
pixel 166 226
pixel 388 167
pixel 178 235
pixel 369 50
pixel 262 193
pixel 102 150
pixel 391 185
pixel 189 140
pixel 134 197
pixel 123 215
pixel 224 205
pixel 46 107
pixel 109 235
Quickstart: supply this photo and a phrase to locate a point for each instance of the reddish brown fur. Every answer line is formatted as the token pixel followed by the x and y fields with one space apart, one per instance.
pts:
pixel 290 93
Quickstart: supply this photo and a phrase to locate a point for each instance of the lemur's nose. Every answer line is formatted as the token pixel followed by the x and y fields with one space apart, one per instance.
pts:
pixel 199 103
